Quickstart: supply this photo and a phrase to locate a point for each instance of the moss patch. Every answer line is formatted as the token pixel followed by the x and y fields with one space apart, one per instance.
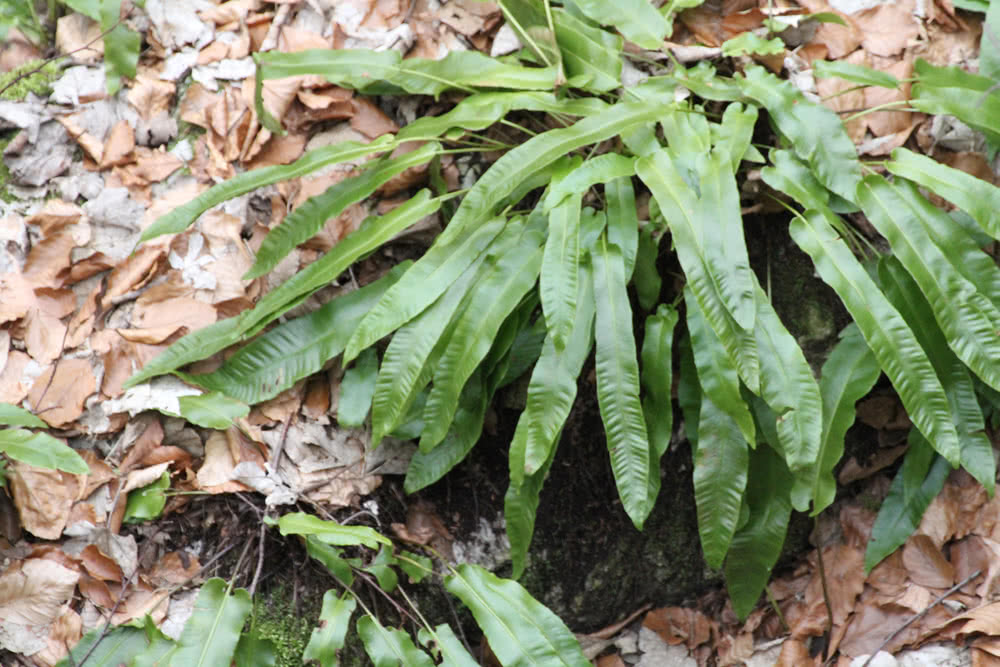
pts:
pixel 16 86
pixel 278 619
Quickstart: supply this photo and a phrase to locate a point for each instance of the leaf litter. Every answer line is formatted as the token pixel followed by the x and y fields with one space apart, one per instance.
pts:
pixel 82 308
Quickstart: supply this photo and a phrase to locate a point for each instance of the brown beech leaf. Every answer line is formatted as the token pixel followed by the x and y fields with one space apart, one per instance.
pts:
pixel 926 564
pixel 33 591
pixel 680 625
pixel 99 565
pixel 60 391
pixel 43 498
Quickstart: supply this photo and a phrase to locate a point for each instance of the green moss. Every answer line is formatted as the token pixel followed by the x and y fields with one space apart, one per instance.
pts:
pixel 278 620
pixel 39 82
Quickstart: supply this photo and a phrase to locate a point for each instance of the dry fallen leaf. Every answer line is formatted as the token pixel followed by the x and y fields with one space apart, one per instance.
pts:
pixel 33 591
pixel 60 391
pixel 43 498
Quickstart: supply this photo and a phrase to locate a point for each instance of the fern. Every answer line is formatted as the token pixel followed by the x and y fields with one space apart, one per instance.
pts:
pixel 528 275
pixel 519 629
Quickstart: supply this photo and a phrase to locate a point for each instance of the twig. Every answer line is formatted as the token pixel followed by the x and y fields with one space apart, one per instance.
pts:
pixel 260 561
pixel 826 592
pixel 917 617
pixel 276 454
pixel 54 58
pixel 107 625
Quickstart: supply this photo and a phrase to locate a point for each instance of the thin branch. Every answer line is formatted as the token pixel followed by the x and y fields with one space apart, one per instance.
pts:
pixel 919 616
pixel 65 55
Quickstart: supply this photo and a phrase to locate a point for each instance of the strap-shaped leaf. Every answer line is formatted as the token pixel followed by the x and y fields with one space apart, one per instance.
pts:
pixel 716 371
pixel 848 374
pixel 515 347
pixel 181 217
pixel 552 387
pixel 722 238
pixel 890 339
pixel 307 219
pixel 817 134
pixel 975 196
pixel 721 461
pixel 618 383
pixel 657 384
pixel 719 286
pixel 12 415
pixel 592 57
pixel 520 630
pixel 210 635
pixel 330 532
pixel 117 646
pixel 453 653
pixel 477 112
pixel 516 165
pixel 356 390
pixel 955 239
pixel 757 545
pixel 623 218
pixel 637 20
pixel 735 132
pixel 520 506
pixel 332 559
pixel 532 23
pixel 408 362
pixel 329 637
pixel 790 390
pixel 212 410
pixel 557 282
pixel 386 71
pixel 466 426
pixel 390 647
pixel 255 650
pixel 206 342
pixel 426 280
pixel 952 91
pixel 41 450
pixel 645 276
pixel 601 169
pixel 689 394
pixel 489 303
pixel 919 480
pixel 689 136
pixel 977 451
pixel 859 74
pixel 295 349
pixel 968 318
